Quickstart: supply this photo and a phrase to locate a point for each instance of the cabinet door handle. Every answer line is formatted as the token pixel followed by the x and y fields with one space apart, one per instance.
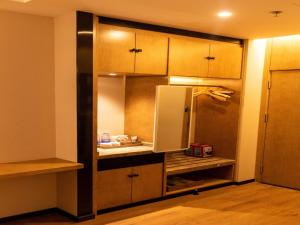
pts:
pixel 133 175
pixel 138 50
pixel 133 50
pixel 210 58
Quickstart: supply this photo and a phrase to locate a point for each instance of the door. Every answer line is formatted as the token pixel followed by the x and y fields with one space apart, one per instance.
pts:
pixel 282 143
pixel 226 60
pixel 113 188
pixel 115 49
pixel 285 53
pixel 151 54
pixel 172 118
pixel 147 182
pixel 188 57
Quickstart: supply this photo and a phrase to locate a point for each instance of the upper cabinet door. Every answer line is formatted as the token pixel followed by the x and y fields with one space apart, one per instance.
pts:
pixel 187 57
pixel 225 60
pixel 115 49
pixel 285 53
pixel 151 53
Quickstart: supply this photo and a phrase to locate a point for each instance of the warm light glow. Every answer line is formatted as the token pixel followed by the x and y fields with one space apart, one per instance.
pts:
pixel 21 1
pixel 224 14
pixel 185 80
pixel 290 37
pixel 112 74
pixel 84 32
pixel 115 34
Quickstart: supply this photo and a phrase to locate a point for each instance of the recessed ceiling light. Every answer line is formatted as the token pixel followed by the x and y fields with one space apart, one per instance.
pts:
pixel 21 1
pixel 224 14
pixel 276 13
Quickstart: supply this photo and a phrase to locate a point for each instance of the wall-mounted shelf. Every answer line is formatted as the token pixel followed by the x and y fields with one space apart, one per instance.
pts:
pixel 179 163
pixel 36 167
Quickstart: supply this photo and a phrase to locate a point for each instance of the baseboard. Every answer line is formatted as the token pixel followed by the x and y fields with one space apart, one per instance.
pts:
pixel 244 182
pixel 85 217
pixel 45 212
pixel 27 215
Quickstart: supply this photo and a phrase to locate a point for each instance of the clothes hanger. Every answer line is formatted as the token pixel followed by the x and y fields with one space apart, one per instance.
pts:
pixel 216 92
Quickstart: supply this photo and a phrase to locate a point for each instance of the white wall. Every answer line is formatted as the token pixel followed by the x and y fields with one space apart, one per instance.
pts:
pixel 65 87
pixel 27 117
pixel 66 108
pixel 38 108
pixel 249 120
pixel 27 194
pixel 111 105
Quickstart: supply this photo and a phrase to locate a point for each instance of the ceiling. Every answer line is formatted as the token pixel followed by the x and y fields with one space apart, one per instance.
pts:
pixel 251 18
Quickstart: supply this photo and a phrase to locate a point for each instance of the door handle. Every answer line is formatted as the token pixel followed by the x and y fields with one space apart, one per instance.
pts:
pixel 133 175
pixel 138 50
pixel 133 50
pixel 210 58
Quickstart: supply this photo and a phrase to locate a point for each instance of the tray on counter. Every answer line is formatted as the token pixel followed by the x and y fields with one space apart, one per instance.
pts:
pixel 122 145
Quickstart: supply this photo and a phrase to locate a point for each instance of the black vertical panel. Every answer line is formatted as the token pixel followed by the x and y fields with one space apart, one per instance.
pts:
pixel 85 113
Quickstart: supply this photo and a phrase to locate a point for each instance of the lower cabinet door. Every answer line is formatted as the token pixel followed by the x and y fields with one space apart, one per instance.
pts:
pixel 113 188
pixel 147 182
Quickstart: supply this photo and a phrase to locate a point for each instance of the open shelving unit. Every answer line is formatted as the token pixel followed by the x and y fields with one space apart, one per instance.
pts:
pixel 186 173
pixel 37 167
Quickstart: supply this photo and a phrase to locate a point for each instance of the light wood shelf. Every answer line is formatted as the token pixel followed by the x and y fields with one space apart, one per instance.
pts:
pixel 36 167
pixel 179 163
pixel 209 182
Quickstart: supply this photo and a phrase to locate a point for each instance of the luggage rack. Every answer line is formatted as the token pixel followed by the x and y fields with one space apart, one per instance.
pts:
pixel 186 173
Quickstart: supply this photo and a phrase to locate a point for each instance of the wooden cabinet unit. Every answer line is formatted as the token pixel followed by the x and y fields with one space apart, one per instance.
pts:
pixel 115 49
pixel 130 51
pixel 285 53
pixel 187 57
pixel 152 53
pixel 226 60
pixel 125 180
pixel 148 183
pixel 202 58
pixel 114 188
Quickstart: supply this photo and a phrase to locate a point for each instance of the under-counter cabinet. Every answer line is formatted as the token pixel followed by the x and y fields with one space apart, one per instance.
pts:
pixel 130 51
pixel 203 58
pixel 139 179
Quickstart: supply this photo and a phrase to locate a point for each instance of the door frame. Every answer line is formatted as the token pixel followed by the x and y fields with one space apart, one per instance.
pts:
pixel 264 105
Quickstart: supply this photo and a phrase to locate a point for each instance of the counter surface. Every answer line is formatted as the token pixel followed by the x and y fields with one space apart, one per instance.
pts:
pixel 124 151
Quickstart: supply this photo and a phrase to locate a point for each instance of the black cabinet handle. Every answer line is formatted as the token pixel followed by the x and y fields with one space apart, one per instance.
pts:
pixel 133 50
pixel 138 50
pixel 133 175
pixel 210 58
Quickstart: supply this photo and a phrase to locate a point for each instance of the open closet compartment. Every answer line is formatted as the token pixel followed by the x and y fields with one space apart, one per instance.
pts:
pixel 126 107
pixel 214 122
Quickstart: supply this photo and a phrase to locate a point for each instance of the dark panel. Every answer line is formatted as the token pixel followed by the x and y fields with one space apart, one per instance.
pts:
pixel 164 29
pixel 85 113
pixel 129 161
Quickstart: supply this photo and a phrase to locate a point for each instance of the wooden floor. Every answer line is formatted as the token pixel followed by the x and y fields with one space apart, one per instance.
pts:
pixel 251 204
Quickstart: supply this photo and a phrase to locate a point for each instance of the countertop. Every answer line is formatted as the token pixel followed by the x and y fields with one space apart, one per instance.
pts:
pixel 124 151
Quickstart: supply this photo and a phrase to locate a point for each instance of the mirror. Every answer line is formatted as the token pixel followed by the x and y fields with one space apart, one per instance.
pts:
pixel 172 118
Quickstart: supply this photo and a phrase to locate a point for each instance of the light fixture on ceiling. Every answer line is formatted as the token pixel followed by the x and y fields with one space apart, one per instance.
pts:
pixel 112 74
pixel 21 1
pixel 224 14
pixel 276 13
